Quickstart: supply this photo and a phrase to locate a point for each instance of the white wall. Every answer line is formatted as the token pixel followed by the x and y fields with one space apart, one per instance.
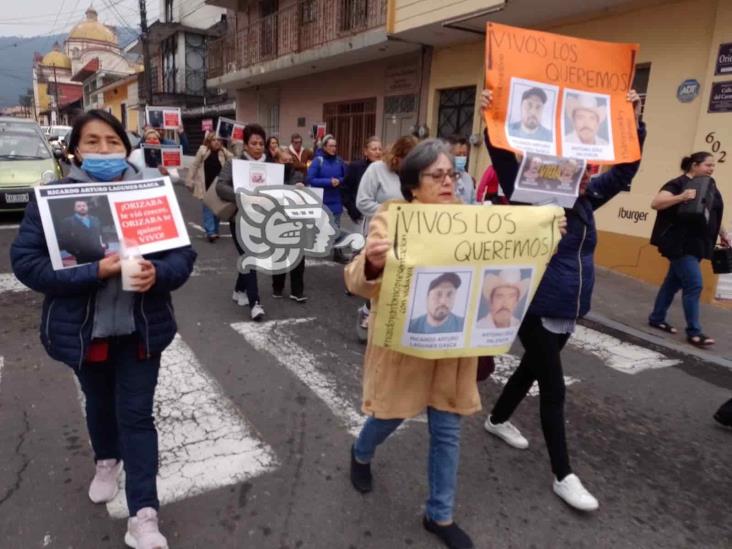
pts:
pixel 192 13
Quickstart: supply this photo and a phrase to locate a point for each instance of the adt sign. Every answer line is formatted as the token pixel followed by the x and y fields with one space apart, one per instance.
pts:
pixel 688 90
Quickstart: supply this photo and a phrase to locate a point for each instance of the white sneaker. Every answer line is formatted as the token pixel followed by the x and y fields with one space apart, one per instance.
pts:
pixel 235 296
pixel 142 531
pixel 104 486
pixel 574 494
pixel 506 432
pixel 257 311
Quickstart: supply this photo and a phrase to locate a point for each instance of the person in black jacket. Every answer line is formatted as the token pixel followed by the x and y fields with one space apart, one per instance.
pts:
pixel 111 338
pixel 563 296
pixel 297 275
pixel 372 151
pixel 685 242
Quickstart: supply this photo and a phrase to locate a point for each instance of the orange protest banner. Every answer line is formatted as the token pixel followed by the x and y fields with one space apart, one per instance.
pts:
pixel 561 96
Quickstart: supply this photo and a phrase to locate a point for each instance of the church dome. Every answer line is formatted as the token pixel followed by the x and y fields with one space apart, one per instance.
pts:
pixel 91 29
pixel 56 58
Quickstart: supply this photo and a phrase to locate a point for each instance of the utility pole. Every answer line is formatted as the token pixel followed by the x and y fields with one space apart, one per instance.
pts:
pixel 146 52
pixel 55 93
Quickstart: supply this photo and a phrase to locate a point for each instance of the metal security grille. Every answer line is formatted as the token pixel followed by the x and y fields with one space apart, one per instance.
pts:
pixel 351 122
pixel 456 109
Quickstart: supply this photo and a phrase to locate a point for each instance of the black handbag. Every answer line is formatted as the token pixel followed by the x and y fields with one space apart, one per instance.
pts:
pixel 698 209
pixel 722 260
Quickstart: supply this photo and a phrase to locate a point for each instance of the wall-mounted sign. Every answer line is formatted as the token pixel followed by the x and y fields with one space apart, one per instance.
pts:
pixel 401 79
pixel 720 99
pixel 688 90
pixel 724 59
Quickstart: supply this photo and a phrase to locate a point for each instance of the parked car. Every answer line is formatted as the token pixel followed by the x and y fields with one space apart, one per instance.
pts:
pixel 26 160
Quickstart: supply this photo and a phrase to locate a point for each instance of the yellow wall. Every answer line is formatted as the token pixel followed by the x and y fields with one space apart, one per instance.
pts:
pixel 680 40
pixel 411 14
pixel 113 100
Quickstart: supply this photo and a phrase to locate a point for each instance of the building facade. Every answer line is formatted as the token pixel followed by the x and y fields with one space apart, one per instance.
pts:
pixel 89 60
pixel 382 66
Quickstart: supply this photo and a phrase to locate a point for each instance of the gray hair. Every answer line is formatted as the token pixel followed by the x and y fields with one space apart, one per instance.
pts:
pixel 421 157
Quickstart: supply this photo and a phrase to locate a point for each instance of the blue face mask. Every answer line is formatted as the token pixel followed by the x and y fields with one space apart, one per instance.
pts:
pixel 104 167
pixel 460 163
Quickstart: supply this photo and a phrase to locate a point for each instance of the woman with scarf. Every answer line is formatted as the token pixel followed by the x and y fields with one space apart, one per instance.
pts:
pixel 246 290
pixel 207 164
pixel 111 338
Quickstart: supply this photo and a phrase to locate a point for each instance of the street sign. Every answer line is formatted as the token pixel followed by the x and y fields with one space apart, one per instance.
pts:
pixel 720 98
pixel 724 59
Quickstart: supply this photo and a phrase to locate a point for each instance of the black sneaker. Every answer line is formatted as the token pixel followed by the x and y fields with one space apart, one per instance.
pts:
pixel 360 475
pixel 451 535
pixel 299 298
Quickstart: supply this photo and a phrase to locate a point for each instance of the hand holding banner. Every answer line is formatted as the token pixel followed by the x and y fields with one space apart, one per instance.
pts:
pixel 560 96
pixel 459 279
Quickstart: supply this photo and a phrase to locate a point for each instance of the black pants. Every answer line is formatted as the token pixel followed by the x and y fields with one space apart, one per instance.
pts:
pixel 541 362
pixel 246 283
pixel 297 280
pixel 119 415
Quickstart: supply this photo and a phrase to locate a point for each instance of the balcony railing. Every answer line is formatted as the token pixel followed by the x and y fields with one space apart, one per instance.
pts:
pixel 301 26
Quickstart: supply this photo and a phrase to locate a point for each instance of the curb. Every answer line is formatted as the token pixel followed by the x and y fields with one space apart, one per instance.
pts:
pixel 684 349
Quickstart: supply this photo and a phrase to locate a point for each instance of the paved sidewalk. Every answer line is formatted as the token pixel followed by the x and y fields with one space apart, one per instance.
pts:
pixel 623 303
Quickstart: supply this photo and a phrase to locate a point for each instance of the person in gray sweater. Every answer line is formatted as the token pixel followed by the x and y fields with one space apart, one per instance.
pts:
pixel 380 181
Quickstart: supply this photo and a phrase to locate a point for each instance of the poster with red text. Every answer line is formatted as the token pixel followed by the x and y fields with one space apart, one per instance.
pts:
pixel 87 222
pixel 560 96
pixel 163 118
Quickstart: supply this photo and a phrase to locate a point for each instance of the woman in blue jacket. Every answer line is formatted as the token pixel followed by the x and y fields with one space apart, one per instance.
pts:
pixel 328 171
pixel 111 338
pixel 563 297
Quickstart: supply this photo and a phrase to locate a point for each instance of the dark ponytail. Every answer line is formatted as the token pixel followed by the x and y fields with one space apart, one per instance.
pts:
pixel 697 158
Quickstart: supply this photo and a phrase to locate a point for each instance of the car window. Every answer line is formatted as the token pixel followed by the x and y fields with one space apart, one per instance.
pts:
pixel 22 145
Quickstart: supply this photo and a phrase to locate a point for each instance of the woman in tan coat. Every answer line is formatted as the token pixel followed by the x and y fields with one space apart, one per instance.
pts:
pixel 211 156
pixel 398 386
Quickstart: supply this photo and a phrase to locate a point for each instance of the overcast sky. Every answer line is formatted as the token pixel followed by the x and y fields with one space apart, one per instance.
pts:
pixel 38 17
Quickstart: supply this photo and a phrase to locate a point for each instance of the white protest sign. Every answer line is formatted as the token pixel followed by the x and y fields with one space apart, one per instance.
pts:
pixel 86 222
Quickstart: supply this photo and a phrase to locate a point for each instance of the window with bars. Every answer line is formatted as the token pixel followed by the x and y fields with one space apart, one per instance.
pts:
pixel 308 11
pixel 351 123
pixel 168 48
pixel 353 15
pixel 456 110
pixel 640 83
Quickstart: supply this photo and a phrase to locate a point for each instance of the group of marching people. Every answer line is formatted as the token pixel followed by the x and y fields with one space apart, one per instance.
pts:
pixel 113 339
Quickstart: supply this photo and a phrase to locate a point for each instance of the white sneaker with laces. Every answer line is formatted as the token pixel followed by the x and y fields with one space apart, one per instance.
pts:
pixel 143 532
pixel 257 311
pixel 104 486
pixel 570 489
pixel 506 432
pixel 242 300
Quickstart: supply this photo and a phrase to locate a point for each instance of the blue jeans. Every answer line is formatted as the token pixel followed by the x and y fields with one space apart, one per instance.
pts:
pixel 684 273
pixel 443 461
pixel 210 222
pixel 119 416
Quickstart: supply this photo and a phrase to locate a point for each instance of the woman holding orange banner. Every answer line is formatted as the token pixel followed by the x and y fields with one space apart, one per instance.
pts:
pixel 561 299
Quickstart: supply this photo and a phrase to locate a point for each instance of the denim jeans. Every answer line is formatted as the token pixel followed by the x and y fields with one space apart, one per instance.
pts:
pixel 119 416
pixel 444 456
pixel 210 222
pixel 684 273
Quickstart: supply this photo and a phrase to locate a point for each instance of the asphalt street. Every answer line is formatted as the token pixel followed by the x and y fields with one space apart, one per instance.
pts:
pixel 256 421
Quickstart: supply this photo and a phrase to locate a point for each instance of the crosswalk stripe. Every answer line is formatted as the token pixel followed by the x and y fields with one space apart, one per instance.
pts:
pixel 619 355
pixel 204 441
pixel 267 337
pixel 8 283
pixel 506 365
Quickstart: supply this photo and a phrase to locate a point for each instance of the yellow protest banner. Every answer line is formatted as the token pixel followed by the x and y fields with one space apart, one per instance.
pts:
pixel 459 279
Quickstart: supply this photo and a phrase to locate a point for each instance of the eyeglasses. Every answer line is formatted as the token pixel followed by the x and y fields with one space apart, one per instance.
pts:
pixel 439 177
